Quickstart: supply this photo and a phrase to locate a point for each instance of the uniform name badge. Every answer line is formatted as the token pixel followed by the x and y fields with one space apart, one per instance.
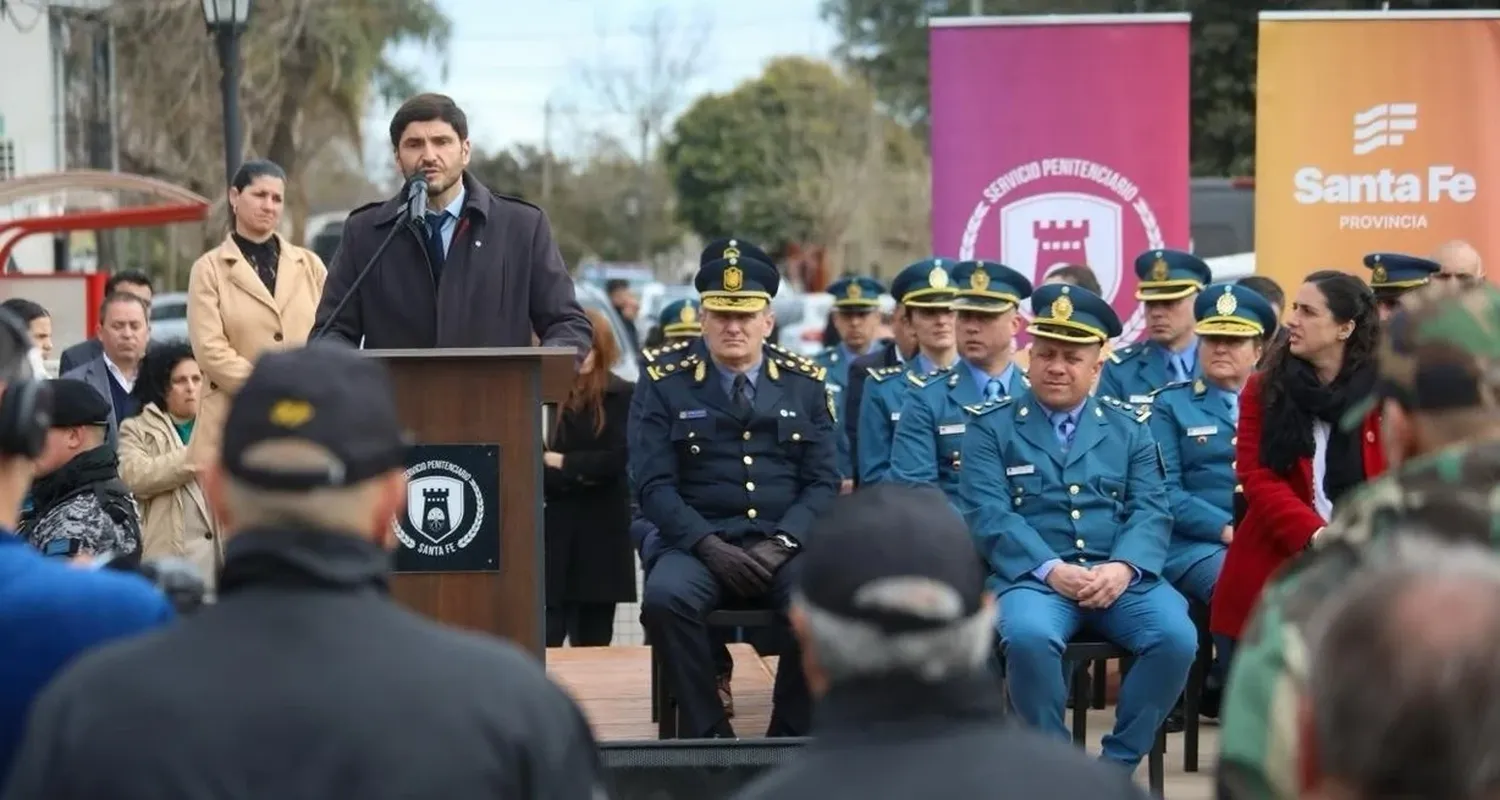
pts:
pixel 949 430
pixel 1140 399
pixel 1206 430
pixel 1023 469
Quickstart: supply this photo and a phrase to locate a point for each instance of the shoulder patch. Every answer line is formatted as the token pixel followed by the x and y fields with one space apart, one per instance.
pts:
pixel 923 380
pixel 801 366
pixel 1134 412
pixel 880 374
pixel 989 405
pixel 681 367
pixel 1125 353
pixel 654 353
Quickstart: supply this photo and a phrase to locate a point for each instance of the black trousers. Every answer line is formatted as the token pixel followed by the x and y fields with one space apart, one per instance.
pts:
pixel 679 593
pixel 581 624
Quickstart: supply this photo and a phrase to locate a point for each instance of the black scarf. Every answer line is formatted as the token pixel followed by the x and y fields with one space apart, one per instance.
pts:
pixel 1287 432
pixel 87 469
pixel 263 256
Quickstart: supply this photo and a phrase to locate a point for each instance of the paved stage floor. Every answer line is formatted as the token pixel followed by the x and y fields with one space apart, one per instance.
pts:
pixel 612 684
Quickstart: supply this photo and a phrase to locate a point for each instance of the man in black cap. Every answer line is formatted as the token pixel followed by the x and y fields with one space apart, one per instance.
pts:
pixel 305 679
pixel 78 497
pixel 896 632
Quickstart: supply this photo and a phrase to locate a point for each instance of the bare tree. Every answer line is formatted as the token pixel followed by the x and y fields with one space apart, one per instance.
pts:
pixel 647 92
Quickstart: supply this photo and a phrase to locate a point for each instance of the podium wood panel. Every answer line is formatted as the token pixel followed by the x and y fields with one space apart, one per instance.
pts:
pixel 486 396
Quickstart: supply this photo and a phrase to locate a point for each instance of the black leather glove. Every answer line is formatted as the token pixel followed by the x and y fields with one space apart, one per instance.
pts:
pixel 770 553
pixel 734 567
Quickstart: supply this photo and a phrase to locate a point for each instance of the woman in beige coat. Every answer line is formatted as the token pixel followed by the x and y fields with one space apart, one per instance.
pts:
pixel 254 292
pixel 175 520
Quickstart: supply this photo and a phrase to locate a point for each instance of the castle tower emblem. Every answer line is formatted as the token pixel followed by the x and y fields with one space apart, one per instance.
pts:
pixel 436 520
pixel 1060 242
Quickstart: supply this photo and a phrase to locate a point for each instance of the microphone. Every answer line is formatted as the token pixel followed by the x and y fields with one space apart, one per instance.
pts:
pixel 415 208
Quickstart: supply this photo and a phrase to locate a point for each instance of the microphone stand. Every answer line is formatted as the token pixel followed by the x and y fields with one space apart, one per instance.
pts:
pixel 364 272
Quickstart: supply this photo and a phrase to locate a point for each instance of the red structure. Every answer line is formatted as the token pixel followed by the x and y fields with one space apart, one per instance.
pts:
pixel 1058 243
pixel 181 204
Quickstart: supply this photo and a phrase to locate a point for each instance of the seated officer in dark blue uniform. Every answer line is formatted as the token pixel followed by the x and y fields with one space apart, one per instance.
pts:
pixel 1064 496
pixel 733 457
pixel 1394 274
pixel 856 317
pixel 925 291
pixel 1169 280
pixel 1194 423
pixel 927 446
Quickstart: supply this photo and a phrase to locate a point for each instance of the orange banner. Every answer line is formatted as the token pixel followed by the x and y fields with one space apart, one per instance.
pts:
pixel 1375 132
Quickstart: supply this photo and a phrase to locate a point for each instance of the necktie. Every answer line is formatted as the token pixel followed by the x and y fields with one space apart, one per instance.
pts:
pixel 993 390
pixel 1065 429
pixel 741 394
pixel 1179 366
pixel 1234 407
pixel 435 250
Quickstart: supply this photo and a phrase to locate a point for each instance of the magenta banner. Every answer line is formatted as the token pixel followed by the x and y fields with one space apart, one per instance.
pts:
pixel 1062 140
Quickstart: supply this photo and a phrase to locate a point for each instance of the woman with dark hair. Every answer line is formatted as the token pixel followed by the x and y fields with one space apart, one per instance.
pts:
pixel 1293 458
pixel 255 291
pixel 154 463
pixel 37 320
pixel 590 560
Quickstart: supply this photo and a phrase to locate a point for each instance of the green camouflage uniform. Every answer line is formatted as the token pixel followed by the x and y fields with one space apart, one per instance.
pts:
pixel 1452 493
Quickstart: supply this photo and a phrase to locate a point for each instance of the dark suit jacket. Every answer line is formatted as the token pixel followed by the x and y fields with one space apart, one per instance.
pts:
pixel 854 392
pixel 96 374
pixel 502 281
pixel 78 355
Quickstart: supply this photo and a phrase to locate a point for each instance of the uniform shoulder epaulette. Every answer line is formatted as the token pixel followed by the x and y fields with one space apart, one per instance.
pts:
pixel 922 380
pixel 654 353
pixel 1135 412
pixel 801 366
pixel 665 369
pixel 989 405
pixel 880 374
pixel 1171 386
pixel 1123 354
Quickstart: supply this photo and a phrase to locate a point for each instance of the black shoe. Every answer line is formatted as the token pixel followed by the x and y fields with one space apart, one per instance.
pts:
pixel 1209 703
pixel 1175 721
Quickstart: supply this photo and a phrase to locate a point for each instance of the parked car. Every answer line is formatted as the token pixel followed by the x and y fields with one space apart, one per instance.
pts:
pixel 169 317
pixel 628 365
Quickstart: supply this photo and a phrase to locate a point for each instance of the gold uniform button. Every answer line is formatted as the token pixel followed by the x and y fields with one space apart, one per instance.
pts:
pixel 745 436
pixel 693 449
pixel 750 513
pixel 750 486
pixel 1073 489
pixel 1075 513
pixel 796 437
pixel 748 460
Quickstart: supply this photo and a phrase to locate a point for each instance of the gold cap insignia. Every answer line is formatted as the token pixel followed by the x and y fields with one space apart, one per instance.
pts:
pixel 980 280
pixel 734 279
pixel 938 278
pixel 1062 309
pixel 732 249
pixel 1159 270
pixel 854 291
pixel 688 315
pixel 1380 275
pixel 291 413
pixel 1226 304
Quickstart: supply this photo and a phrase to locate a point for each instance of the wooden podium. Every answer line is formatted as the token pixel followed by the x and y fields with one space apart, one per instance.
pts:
pixel 476 417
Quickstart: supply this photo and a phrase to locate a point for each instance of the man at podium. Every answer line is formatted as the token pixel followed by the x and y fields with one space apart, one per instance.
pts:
pixel 734 456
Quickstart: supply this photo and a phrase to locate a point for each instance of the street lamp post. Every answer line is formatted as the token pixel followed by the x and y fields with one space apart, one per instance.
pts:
pixel 226 20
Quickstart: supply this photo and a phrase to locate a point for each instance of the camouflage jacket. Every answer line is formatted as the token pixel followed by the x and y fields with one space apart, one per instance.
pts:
pixel 103 518
pixel 1453 493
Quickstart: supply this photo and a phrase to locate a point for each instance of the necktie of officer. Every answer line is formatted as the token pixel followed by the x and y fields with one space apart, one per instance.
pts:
pixel 741 394
pixel 1234 407
pixel 1179 366
pixel 436 253
pixel 1065 428
pixel 994 390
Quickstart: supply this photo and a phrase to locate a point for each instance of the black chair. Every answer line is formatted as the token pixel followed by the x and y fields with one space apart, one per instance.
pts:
pixel 1079 655
pixel 663 705
pixel 1192 696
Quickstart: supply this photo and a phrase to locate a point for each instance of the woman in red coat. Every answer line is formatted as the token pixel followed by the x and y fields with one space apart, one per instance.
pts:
pixel 1292 460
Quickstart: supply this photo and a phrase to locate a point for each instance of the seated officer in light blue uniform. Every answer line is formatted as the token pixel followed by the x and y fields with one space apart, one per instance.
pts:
pixel 1169 280
pixel 1064 495
pixel 927 446
pixel 1394 274
pixel 856 316
pixel 925 291
pixel 1194 423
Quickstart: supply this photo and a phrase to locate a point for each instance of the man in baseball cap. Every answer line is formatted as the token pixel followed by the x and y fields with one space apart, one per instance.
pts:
pixel 319 656
pixel 1439 394
pixel 896 631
